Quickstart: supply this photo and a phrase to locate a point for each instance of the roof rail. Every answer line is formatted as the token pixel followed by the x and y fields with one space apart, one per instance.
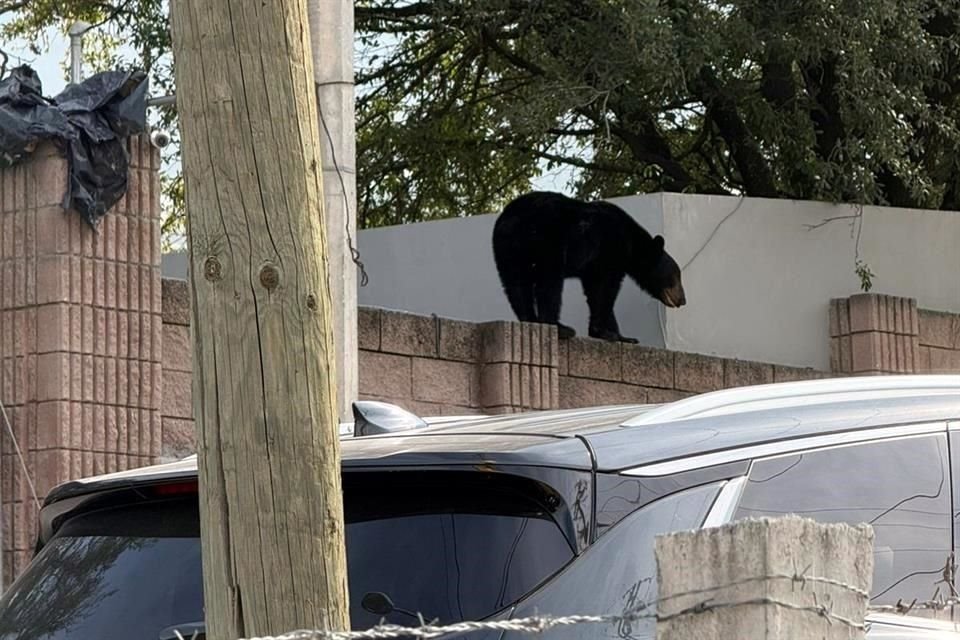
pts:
pixel 768 396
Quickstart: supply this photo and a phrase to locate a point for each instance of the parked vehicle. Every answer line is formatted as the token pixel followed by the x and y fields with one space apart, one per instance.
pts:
pixel 550 512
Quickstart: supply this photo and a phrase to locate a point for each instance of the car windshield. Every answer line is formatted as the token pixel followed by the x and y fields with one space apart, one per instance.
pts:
pixel 458 547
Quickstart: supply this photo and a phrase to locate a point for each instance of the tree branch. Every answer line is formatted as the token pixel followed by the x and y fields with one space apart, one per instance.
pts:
pixel 518 61
pixel 754 170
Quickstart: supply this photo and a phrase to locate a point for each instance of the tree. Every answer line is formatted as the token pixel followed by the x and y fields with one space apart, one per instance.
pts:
pixel 462 103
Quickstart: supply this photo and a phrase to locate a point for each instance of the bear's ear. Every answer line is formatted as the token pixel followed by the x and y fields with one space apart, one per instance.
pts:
pixel 658 243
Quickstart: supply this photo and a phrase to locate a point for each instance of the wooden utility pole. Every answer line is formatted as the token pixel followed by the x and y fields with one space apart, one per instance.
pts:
pixel 331 30
pixel 264 391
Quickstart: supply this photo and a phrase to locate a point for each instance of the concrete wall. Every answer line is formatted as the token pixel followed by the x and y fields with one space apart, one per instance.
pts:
pixel 759 280
pixel 440 366
pixel 760 288
pixel 80 336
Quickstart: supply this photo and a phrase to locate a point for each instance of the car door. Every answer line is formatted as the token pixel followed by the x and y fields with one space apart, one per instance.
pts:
pixel 901 486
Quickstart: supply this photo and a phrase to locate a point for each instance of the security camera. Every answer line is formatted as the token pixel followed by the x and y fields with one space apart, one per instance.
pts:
pixel 159 139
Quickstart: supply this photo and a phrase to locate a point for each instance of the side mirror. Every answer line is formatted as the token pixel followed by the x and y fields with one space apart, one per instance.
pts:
pixel 377 603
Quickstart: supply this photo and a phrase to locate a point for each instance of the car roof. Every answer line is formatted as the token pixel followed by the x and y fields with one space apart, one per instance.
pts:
pixel 637 439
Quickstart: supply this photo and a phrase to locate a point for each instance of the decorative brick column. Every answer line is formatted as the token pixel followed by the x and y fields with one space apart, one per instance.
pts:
pixel 80 333
pixel 874 334
pixel 520 367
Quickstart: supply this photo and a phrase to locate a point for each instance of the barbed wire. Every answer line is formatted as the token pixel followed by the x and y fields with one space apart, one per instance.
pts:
pixel 540 624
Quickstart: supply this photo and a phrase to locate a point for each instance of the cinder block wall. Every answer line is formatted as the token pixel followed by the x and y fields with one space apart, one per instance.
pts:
pixel 80 336
pixel 939 342
pixel 176 412
pixel 877 334
pixel 436 366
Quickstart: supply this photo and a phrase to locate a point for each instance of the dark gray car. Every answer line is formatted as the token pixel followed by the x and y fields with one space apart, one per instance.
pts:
pixel 549 512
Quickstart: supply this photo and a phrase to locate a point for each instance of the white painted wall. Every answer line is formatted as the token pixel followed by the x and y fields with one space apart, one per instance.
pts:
pixel 759 288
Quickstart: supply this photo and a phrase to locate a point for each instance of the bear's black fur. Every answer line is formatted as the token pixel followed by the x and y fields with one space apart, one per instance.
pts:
pixel 542 238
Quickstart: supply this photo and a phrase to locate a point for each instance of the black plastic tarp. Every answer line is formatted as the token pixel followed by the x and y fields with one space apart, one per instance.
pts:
pixel 91 121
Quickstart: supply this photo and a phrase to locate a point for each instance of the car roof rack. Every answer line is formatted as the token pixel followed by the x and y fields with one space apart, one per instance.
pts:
pixel 786 394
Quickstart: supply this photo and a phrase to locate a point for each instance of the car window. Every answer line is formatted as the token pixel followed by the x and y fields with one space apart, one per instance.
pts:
pixel 619 572
pixel 955 458
pixel 901 487
pixel 115 573
pixel 448 545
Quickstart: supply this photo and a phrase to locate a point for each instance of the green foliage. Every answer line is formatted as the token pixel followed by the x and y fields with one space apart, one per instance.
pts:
pixel 461 104
pixel 865 274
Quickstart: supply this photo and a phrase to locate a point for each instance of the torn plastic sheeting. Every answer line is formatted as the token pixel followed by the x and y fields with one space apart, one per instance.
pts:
pixel 90 120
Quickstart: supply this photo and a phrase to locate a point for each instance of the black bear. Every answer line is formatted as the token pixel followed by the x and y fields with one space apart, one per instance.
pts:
pixel 542 238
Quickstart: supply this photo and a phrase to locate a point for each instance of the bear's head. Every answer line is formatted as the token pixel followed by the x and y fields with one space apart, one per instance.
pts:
pixel 658 274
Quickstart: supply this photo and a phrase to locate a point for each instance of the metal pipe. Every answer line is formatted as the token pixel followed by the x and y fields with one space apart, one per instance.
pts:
pixel 76 50
pixel 162 101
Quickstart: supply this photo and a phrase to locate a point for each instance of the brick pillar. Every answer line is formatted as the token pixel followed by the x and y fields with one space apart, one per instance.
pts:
pixel 520 367
pixel 80 331
pixel 874 334
pixel 742 572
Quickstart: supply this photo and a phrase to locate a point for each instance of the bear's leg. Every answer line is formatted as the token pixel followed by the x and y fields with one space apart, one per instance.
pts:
pixel 601 292
pixel 520 295
pixel 549 298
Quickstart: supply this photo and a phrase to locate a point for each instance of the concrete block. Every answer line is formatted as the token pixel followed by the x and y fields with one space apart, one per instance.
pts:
pixel 864 312
pixel 846 354
pixel 496 341
pixel 648 367
pixel 944 361
pixel 741 373
pixel 576 393
pixel 53 280
pixel 743 575
pixel 459 340
pixel 53 377
pixel 177 393
pixel 833 317
pixel 53 328
pixel 563 357
pixel 445 382
pixel 408 334
pixel 698 373
pixel 53 424
pixel 595 359
pixel 495 385
pixel 179 438
pixel 368 328
pixel 616 393
pixel 793 374
pixel 914 328
pixel 175 295
pixel 177 349
pixel 663 396
pixel 385 375
pixel 940 330
pixel 866 354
